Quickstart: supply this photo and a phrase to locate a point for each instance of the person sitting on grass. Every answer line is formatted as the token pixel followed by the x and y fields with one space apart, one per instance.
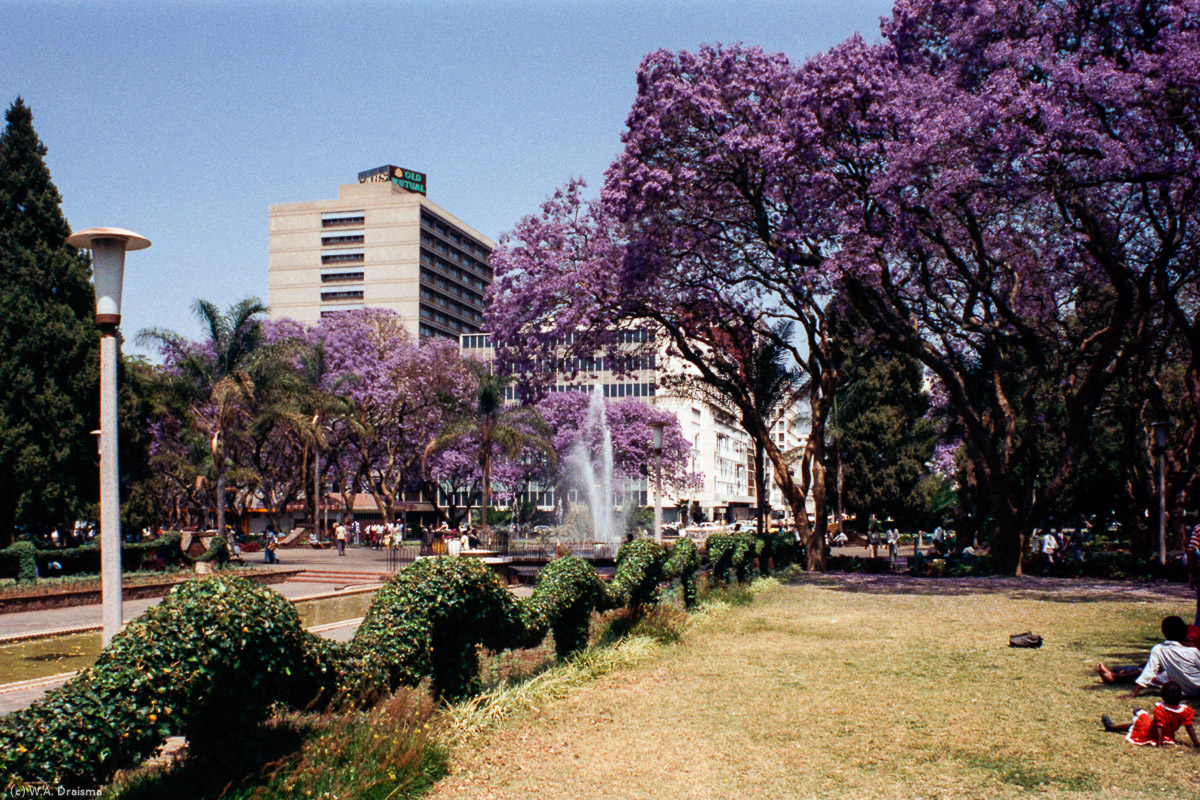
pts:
pixel 1176 659
pixel 1158 727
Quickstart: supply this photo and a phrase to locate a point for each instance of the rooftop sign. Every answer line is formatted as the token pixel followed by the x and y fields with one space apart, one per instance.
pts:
pixel 404 178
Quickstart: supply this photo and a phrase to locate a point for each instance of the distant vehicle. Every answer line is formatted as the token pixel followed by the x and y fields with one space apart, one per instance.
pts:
pixel 541 530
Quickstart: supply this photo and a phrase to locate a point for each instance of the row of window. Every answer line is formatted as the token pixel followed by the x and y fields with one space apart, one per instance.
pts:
pixel 441 318
pixel 635 336
pixel 341 258
pixel 456 272
pixel 431 277
pixel 341 277
pixel 447 232
pixel 466 312
pixel 477 341
pixel 349 238
pixel 342 219
pixel 454 255
pixel 614 390
pixel 343 294
pixel 428 333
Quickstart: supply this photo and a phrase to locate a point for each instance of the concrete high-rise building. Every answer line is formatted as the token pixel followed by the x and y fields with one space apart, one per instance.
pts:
pixel 381 244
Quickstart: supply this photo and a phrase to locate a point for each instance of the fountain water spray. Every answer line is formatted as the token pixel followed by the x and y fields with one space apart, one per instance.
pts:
pixel 596 480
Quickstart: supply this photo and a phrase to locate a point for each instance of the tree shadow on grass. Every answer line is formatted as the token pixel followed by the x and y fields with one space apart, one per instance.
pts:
pixel 1053 590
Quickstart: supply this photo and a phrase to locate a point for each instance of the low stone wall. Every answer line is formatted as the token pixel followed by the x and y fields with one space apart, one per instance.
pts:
pixel 91 595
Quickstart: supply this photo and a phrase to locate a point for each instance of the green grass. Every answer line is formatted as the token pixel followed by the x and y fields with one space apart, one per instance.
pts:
pixel 853 688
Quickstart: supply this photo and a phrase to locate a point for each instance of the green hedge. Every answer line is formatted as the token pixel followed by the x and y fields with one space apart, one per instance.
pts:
pixel 428 619
pixel 217 653
pixel 639 574
pixel 568 590
pixel 214 655
pixel 86 559
pixel 732 553
pixel 683 565
pixel 20 560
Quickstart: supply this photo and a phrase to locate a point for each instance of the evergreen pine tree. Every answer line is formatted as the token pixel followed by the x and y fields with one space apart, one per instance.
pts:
pixel 48 346
pixel 880 429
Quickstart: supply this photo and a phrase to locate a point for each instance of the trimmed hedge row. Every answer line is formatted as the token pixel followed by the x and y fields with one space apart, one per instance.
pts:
pixel 18 560
pixel 218 652
pixel 213 655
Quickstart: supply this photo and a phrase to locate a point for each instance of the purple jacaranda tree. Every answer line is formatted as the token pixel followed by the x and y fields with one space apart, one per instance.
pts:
pixel 629 422
pixel 701 236
pixel 401 394
pixel 493 428
pixel 1016 188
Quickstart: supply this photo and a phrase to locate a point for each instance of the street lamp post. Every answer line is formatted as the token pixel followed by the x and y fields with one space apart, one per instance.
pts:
pixel 108 246
pixel 1160 449
pixel 657 428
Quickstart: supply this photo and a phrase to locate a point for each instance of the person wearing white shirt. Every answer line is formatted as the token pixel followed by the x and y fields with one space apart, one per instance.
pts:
pixel 1175 660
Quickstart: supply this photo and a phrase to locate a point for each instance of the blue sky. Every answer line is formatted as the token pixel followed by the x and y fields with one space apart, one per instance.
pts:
pixel 184 121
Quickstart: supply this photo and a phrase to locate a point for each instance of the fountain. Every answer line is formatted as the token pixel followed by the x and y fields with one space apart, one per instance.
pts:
pixel 596 480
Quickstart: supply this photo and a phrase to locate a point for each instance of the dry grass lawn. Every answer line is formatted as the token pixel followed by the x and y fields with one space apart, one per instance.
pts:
pixel 855 687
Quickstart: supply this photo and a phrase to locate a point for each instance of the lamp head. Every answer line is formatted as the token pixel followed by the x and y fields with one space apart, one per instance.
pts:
pixel 108 246
pixel 657 429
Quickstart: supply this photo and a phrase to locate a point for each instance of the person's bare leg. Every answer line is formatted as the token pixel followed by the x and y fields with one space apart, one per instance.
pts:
pixel 1118 675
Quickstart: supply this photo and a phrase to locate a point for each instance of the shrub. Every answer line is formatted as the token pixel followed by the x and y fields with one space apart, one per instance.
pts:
pixel 731 552
pixel 206 662
pixel 22 558
pixel 218 551
pixel 639 573
pixel 211 660
pixel 428 619
pixel 683 565
pixel 568 590
pixel 86 558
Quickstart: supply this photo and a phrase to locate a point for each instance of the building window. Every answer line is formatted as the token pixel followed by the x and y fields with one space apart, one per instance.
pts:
pixel 341 258
pixel 341 277
pixel 348 238
pixel 342 219
pixel 345 294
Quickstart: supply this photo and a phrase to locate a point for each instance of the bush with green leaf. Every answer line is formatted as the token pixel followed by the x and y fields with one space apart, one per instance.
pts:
pixel 731 553
pixel 428 619
pixel 85 559
pixel 218 653
pixel 207 661
pixel 639 573
pixel 682 565
pixel 568 590
pixel 217 552
pixel 21 562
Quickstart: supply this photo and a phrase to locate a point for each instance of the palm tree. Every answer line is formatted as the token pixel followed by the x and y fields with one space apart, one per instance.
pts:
pixel 492 424
pixel 218 373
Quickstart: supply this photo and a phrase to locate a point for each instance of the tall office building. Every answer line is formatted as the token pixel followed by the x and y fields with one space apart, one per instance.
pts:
pixel 381 244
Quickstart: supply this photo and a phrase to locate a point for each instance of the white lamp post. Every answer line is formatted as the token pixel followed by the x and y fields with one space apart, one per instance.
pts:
pixel 657 428
pixel 108 246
